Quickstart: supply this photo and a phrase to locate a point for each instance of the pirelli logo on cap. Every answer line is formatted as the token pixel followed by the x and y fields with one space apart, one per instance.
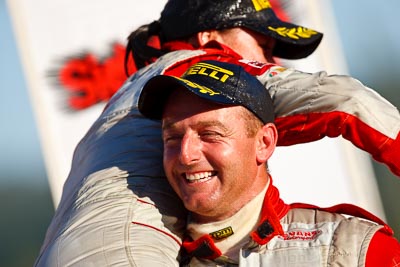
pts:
pixel 223 233
pixel 209 70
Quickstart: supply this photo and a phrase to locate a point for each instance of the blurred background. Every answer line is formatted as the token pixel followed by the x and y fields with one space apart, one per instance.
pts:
pixel 371 45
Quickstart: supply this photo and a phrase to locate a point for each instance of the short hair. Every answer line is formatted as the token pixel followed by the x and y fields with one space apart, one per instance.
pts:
pixel 253 124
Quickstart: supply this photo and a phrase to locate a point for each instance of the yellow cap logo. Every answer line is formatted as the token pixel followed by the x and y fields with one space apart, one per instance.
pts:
pixel 202 89
pixel 293 33
pixel 261 4
pixel 212 71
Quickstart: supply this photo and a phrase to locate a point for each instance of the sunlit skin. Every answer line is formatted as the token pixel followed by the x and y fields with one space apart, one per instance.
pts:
pixel 203 138
pixel 249 44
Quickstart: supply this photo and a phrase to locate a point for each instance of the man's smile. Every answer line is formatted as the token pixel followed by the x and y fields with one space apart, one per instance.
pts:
pixel 199 176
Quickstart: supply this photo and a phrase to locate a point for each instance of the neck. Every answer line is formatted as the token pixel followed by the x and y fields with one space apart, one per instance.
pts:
pixel 234 207
pixel 232 233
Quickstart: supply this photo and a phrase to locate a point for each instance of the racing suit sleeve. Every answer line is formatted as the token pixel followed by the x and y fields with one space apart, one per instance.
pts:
pixel 309 107
pixel 384 250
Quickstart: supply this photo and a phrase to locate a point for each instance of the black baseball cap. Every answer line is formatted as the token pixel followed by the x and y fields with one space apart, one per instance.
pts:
pixel 219 82
pixel 183 18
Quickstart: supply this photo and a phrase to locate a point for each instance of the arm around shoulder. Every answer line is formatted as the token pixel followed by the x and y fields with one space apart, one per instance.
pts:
pixel 309 107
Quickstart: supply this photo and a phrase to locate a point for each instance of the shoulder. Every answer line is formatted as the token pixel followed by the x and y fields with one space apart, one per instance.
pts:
pixel 383 250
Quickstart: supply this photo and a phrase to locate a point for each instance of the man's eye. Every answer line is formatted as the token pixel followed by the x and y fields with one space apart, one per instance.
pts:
pixel 171 138
pixel 210 134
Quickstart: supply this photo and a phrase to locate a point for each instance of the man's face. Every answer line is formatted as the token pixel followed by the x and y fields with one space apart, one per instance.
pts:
pixel 249 44
pixel 209 159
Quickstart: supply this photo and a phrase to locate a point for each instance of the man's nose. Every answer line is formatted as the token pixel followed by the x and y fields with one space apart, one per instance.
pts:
pixel 190 149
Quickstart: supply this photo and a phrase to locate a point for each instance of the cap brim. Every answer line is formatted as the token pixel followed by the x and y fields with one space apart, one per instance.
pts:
pixel 292 41
pixel 157 90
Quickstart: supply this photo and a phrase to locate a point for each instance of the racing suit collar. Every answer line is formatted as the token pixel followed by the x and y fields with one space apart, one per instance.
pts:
pixel 273 210
pixel 268 227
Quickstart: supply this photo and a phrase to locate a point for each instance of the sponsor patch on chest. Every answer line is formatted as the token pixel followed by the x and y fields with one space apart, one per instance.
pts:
pixel 302 234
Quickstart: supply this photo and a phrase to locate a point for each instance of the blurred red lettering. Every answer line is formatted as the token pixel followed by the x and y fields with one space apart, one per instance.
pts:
pixel 90 80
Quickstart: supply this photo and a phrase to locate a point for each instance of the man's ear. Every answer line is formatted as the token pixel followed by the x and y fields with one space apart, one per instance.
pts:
pixel 267 138
pixel 205 36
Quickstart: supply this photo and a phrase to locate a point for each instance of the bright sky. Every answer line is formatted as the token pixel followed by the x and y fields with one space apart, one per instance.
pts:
pixel 370 39
pixel 20 152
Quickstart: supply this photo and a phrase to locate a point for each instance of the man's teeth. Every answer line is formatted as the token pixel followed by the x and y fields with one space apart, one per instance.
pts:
pixel 198 176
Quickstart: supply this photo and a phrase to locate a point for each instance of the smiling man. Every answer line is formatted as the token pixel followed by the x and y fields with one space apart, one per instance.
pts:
pixel 218 133
pixel 204 156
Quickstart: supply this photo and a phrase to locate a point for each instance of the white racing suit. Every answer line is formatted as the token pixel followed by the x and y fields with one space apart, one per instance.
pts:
pixel 302 235
pixel 117 208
